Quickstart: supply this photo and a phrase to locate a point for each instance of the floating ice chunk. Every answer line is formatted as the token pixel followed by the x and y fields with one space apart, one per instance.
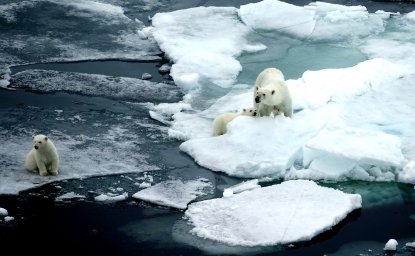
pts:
pixel 165 68
pixel 69 195
pixel 241 187
pixel 3 212
pixel 146 76
pixel 96 85
pixel 144 185
pixel 8 218
pixel 272 215
pixel 410 16
pixel 175 193
pixel 410 245
pixel 109 198
pixel 198 51
pixel 256 147
pixel 391 245
pixel 337 22
pixel 407 175
pixel 280 16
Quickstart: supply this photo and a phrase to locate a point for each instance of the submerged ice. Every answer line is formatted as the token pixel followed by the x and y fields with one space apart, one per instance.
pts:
pixel 349 123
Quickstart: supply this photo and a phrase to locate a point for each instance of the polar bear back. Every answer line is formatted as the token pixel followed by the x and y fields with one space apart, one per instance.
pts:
pixel 268 75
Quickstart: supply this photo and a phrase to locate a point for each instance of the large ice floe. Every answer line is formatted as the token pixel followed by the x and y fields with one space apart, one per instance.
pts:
pixel 349 123
pixel 299 211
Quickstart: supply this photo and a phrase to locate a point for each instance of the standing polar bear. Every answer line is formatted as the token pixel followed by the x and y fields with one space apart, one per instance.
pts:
pixel 271 94
pixel 221 121
pixel 43 157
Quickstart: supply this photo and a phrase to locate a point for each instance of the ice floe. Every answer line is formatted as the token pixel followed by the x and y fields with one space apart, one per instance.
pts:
pixel 96 85
pixel 391 245
pixel 362 111
pixel 3 212
pixel 110 197
pixel 292 211
pixel 191 40
pixel 69 195
pixel 175 193
pixel 241 187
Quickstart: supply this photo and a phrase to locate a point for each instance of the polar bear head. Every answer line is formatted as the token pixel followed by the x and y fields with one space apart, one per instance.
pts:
pixel 250 111
pixel 41 141
pixel 269 95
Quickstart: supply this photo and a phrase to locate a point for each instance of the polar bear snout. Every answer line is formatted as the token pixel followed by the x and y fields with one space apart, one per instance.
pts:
pixel 257 99
pixel 36 147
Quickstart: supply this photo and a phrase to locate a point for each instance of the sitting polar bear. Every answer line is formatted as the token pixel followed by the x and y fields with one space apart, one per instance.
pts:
pixel 222 120
pixel 271 94
pixel 43 157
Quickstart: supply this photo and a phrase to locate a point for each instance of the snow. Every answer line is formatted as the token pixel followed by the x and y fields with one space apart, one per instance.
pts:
pixel 110 198
pixel 3 212
pixel 175 193
pixel 69 195
pixel 241 187
pixel 391 245
pixel 292 211
pixel 88 84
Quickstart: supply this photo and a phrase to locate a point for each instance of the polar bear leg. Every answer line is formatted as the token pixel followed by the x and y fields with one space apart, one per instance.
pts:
pixel 54 168
pixel 42 167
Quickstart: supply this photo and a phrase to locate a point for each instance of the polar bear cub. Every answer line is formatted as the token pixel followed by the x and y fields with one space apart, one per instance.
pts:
pixel 221 121
pixel 271 94
pixel 43 157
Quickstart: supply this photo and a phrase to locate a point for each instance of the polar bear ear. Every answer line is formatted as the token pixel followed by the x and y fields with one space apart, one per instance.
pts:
pixel 46 138
pixel 273 91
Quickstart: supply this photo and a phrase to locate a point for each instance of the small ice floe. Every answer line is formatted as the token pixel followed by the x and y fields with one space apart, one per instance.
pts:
pixel 243 186
pixel 144 184
pixel 289 212
pixel 165 68
pixel 391 245
pixel 175 193
pixel 410 245
pixel 109 197
pixel 146 76
pixel 69 195
pixel 3 212
pixel 8 218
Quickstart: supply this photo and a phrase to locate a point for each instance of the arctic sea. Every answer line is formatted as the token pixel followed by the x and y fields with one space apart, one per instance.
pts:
pixel 140 172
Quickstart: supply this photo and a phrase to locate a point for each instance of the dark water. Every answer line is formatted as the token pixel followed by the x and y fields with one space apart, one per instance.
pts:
pixel 131 227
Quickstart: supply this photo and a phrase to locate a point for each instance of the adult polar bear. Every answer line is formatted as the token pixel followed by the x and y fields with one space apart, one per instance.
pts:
pixel 271 94
pixel 43 157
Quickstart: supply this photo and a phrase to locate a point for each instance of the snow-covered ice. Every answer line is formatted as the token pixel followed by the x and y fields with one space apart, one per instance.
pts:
pixel 110 197
pixel 3 212
pixel 69 195
pixel 8 218
pixel 391 245
pixel 175 193
pixel 410 245
pixel 241 187
pixel 364 109
pixel 292 211
pixel 96 85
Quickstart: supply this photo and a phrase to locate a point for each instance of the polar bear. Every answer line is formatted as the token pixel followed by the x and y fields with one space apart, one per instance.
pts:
pixel 43 157
pixel 221 121
pixel 271 94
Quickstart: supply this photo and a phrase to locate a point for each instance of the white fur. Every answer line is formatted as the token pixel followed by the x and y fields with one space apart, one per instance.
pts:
pixel 45 158
pixel 271 94
pixel 221 121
